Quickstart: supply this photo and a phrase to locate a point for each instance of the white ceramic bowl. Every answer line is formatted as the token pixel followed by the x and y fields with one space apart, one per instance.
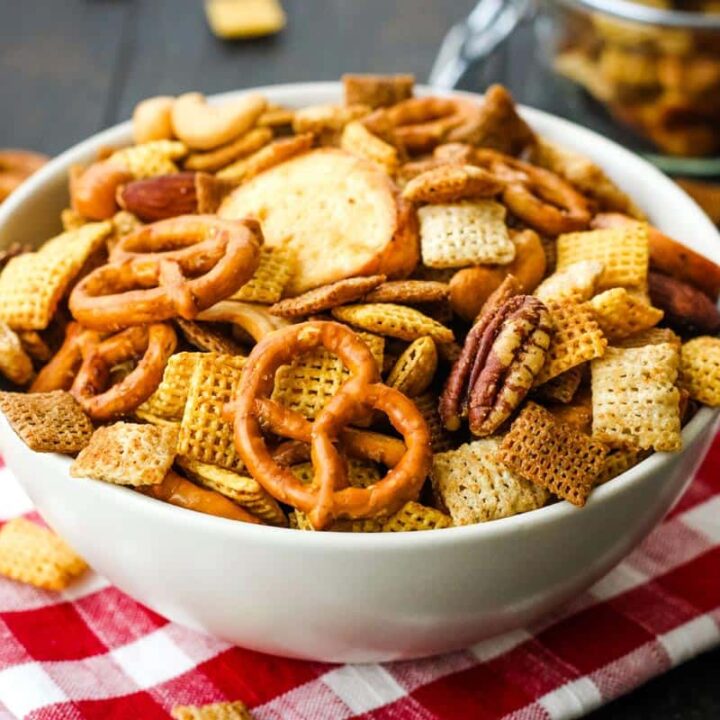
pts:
pixel 352 597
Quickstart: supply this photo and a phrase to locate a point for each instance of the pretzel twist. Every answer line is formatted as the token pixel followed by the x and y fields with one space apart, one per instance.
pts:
pixel 541 198
pixel 84 363
pixel 175 267
pixel 329 497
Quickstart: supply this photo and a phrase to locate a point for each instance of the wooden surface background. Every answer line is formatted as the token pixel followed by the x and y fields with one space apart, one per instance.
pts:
pixel 69 68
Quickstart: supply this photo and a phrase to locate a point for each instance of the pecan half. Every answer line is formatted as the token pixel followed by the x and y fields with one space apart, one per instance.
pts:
pixel 503 353
pixel 687 309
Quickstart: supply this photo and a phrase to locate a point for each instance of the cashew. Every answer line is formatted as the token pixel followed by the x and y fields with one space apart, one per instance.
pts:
pixel 203 127
pixel 151 119
pixel 471 287
pixel 93 189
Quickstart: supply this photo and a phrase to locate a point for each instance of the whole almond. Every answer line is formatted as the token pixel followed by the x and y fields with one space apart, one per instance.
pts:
pixel 687 309
pixel 160 197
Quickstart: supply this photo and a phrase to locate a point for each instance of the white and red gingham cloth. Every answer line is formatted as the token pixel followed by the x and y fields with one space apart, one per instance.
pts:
pixel 93 653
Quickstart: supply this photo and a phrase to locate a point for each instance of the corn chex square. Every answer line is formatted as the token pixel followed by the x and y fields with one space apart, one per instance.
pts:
pixel 474 487
pixel 415 368
pixel 204 434
pixel 168 400
pixel 623 252
pixel 635 401
pixel 216 711
pixel 575 282
pixel 128 454
pixel 397 321
pixel 32 284
pixel 617 461
pixel 553 455
pixel 150 159
pixel 413 516
pixel 243 490
pixel 269 280
pixel 621 314
pixel 35 555
pixel 300 521
pixel 700 369
pixel 465 233
pixel 577 339
pixel 306 384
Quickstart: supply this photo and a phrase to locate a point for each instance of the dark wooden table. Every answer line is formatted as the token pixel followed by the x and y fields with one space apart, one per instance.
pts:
pixel 69 68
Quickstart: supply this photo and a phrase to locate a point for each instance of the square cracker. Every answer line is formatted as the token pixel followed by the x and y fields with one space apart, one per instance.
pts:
pixel 47 422
pixel 35 555
pixel 621 314
pixel 413 516
pixel 635 401
pixel 308 383
pixel 128 454
pixel 217 711
pixel 32 284
pixel 465 233
pixel 700 369
pixel 553 455
pixel 269 280
pixel 474 487
pixel 623 251
pixel 577 339
pixel 204 434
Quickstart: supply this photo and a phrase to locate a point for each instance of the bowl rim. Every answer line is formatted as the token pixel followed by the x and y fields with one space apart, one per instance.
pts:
pixel 702 420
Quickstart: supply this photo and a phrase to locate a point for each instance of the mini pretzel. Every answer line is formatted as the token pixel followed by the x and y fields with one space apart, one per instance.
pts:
pixel 541 198
pixel 175 267
pixel 329 497
pixel 419 124
pixel 255 320
pixel 83 364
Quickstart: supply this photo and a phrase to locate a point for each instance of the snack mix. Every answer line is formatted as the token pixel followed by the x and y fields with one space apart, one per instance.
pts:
pixel 394 313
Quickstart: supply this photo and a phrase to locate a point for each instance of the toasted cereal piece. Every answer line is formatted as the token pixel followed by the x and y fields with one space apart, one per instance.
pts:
pixel 451 184
pixel 32 284
pixel 358 140
pixel 651 336
pixel 554 455
pixel 465 233
pixel 15 363
pixel 34 555
pixel 168 400
pixel 409 292
pixel 300 521
pixel 326 119
pixel 326 297
pixel 274 153
pixel 562 387
pixel 243 490
pixel 210 192
pixel 377 90
pixel 213 160
pixel 577 413
pixel 127 454
pixel 623 251
pixel 414 516
pixel 276 116
pixel 204 337
pixel 151 158
pixel 306 384
pixel 700 369
pixel 232 19
pixel 148 417
pixel 204 434
pixel 35 345
pixel 394 320
pixel 361 473
pixel 449 352
pixel 635 401
pixel 272 274
pixel 72 220
pixel 440 439
pixel 576 340
pixel 415 368
pixel 617 461
pixel 48 422
pixel 217 711
pixel 474 487
pixel 575 282
pixel 620 314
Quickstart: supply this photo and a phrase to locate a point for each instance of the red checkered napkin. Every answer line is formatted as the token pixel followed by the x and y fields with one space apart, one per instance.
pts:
pixel 91 653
